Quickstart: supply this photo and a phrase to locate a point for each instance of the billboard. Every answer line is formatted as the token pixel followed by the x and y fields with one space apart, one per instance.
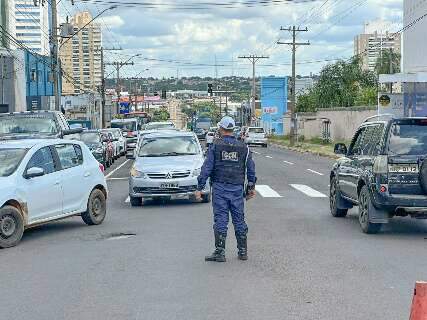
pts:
pixel 274 97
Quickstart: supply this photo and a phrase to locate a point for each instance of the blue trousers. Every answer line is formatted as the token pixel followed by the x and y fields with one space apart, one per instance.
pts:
pixel 228 198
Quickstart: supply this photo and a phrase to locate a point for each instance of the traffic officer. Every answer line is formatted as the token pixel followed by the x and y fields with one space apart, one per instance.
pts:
pixel 228 164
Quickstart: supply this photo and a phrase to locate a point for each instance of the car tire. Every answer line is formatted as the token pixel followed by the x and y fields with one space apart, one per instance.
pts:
pixel 135 201
pixel 206 198
pixel 96 208
pixel 264 145
pixel 365 208
pixel 335 198
pixel 11 226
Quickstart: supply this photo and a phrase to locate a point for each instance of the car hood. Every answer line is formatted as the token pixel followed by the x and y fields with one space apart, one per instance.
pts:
pixel 167 164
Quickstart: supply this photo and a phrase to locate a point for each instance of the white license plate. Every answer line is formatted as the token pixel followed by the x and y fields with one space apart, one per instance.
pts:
pixel 169 186
pixel 407 168
pixel 179 197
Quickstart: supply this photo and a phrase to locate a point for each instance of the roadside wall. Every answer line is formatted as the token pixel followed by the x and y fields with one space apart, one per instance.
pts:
pixel 343 122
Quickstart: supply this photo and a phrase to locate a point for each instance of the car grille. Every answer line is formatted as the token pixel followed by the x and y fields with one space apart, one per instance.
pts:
pixel 152 190
pixel 171 175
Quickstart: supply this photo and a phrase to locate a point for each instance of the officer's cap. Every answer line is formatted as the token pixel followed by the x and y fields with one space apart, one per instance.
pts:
pixel 227 123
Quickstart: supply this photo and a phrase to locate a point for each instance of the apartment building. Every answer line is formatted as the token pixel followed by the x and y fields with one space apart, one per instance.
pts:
pixel 375 39
pixel 31 23
pixel 81 57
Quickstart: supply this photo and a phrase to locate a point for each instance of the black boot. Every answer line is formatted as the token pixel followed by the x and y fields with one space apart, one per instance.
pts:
pixel 242 246
pixel 219 254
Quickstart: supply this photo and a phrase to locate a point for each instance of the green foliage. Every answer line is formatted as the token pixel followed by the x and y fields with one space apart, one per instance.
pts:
pixel 161 115
pixel 203 109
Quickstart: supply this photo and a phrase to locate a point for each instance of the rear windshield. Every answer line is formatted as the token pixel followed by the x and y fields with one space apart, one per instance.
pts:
pixel 154 126
pixel 408 137
pixel 256 130
pixel 31 124
pixel 125 126
pixel 10 160
pixel 90 137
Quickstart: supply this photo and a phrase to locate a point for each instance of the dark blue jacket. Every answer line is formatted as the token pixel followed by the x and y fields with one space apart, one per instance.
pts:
pixel 209 164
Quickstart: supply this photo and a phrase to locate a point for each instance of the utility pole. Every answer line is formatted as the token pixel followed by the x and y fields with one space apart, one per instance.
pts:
pixel 391 67
pixel 294 44
pixel 253 59
pixel 118 65
pixel 55 59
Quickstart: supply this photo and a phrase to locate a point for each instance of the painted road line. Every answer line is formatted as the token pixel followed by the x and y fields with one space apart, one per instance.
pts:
pixel 266 192
pixel 127 200
pixel 308 191
pixel 316 172
pixel 112 172
pixel 288 162
pixel 269 157
pixel 256 152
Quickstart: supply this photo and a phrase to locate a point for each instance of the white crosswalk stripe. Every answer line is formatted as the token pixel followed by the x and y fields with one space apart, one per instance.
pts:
pixel 266 192
pixel 308 191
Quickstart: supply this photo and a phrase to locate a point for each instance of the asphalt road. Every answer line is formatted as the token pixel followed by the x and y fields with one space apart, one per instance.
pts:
pixel 303 263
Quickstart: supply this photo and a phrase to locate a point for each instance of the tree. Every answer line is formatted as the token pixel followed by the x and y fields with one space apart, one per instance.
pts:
pixel 161 115
pixel 387 58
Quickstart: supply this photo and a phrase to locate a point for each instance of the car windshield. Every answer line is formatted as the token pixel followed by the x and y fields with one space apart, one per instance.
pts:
pixel 168 146
pixel 89 137
pixel 31 124
pixel 125 126
pixel 10 160
pixel 154 126
pixel 408 138
pixel 256 130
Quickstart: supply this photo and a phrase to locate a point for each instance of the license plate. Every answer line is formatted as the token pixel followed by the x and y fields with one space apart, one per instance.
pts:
pixel 406 168
pixel 169 186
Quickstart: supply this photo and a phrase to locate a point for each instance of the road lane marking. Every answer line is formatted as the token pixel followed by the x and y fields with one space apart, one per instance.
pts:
pixel 112 172
pixel 256 152
pixel 316 172
pixel 308 191
pixel 127 200
pixel 269 157
pixel 266 192
pixel 288 162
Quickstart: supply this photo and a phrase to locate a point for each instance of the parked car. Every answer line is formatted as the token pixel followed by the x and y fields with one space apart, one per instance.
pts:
pixel 166 167
pixel 121 141
pixel 93 139
pixel 164 125
pixel 34 124
pixel 383 172
pixel 109 147
pixel 46 180
pixel 255 135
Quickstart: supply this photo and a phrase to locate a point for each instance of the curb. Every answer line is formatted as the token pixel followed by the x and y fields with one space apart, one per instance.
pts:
pixel 299 150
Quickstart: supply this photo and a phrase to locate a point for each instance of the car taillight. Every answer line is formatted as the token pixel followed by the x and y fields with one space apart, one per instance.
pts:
pixel 101 167
pixel 381 164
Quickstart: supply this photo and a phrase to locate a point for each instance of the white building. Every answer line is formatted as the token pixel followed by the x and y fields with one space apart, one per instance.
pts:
pixel 32 25
pixel 414 58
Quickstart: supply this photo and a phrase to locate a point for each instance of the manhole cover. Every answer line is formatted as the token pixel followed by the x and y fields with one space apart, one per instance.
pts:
pixel 118 236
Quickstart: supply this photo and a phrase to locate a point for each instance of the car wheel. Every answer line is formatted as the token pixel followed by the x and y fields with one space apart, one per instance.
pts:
pixel 365 209
pixel 135 201
pixel 206 198
pixel 96 208
pixel 11 226
pixel 264 145
pixel 335 198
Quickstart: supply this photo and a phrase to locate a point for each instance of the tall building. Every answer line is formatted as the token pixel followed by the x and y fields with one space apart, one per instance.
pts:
pixel 32 25
pixel 375 39
pixel 7 23
pixel 81 57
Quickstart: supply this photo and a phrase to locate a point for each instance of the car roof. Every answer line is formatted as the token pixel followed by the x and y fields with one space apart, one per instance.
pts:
pixel 30 143
pixel 160 122
pixel 24 113
pixel 169 133
pixel 124 120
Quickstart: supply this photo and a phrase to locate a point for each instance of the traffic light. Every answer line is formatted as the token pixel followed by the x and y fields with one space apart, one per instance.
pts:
pixel 210 91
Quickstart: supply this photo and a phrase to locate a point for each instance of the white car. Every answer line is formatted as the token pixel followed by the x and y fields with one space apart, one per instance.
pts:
pixel 46 180
pixel 256 135
pixel 210 137
pixel 120 141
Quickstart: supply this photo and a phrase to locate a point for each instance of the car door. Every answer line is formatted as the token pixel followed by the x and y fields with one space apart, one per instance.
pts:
pixel 347 172
pixel 74 176
pixel 44 194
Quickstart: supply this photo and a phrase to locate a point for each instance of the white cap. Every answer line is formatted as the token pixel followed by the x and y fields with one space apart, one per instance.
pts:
pixel 227 123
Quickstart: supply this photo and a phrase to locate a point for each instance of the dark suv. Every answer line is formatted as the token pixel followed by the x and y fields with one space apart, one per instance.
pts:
pixel 34 124
pixel 384 172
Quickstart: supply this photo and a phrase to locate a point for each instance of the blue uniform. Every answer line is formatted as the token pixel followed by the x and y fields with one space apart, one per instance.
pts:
pixel 228 196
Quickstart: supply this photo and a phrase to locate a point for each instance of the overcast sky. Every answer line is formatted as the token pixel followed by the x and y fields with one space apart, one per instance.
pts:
pixel 191 39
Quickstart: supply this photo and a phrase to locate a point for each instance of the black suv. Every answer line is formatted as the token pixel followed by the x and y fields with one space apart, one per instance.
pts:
pixel 384 172
pixel 34 124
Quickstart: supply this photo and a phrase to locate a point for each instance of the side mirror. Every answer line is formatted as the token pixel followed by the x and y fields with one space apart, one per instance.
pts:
pixel 71 131
pixel 34 172
pixel 340 148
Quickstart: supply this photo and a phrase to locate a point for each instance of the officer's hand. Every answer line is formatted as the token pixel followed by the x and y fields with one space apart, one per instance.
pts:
pixel 251 194
pixel 198 195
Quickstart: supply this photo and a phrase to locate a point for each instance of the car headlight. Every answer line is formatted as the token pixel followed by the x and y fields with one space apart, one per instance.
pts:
pixel 196 172
pixel 137 174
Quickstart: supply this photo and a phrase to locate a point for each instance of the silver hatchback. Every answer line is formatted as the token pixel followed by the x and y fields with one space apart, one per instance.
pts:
pixel 167 164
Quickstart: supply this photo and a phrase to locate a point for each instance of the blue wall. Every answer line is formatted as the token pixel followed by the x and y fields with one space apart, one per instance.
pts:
pixel 274 97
